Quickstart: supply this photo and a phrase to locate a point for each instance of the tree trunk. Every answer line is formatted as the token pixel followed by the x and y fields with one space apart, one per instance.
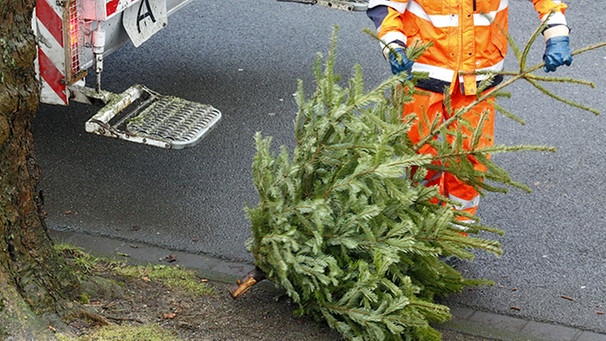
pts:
pixel 33 278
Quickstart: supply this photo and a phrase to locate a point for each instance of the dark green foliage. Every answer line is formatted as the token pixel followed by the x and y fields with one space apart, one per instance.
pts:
pixel 342 227
pixel 342 223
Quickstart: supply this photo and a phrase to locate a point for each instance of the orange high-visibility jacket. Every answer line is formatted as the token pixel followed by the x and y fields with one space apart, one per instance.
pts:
pixel 466 35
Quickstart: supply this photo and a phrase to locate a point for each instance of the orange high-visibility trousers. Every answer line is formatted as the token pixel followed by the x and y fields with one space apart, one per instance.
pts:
pixel 429 106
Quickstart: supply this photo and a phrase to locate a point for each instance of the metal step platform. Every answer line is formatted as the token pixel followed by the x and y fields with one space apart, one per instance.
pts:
pixel 347 5
pixel 144 116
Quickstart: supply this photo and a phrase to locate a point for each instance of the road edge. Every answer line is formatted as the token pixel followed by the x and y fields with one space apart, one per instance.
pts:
pixel 464 320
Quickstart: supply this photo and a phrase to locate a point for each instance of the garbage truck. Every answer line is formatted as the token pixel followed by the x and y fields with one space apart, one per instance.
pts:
pixel 74 37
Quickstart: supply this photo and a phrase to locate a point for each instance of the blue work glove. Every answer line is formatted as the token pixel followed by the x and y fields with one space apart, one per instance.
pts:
pixel 557 53
pixel 404 65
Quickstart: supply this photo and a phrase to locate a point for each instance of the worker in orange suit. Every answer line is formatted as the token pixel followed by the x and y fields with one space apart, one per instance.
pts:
pixel 468 37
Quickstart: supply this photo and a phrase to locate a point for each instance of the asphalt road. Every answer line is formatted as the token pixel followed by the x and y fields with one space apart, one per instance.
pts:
pixel 245 57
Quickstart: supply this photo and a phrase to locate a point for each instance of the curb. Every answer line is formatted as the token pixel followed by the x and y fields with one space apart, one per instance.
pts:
pixel 464 320
pixel 507 328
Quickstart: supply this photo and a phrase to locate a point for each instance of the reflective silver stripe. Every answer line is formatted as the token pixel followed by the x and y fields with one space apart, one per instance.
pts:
pixel 437 20
pixel 461 227
pixel 398 6
pixel 486 19
pixel 435 72
pixel 447 75
pixel 452 20
pixel 388 40
pixel 556 19
pixel 482 76
pixel 392 36
pixel 465 204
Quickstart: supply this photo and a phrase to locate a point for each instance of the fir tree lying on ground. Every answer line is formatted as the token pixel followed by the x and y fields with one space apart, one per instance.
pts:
pixel 343 224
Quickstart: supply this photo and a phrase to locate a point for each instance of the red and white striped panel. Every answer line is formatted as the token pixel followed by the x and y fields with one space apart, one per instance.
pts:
pixel 115 6
pixel 104 9
pixel 51 52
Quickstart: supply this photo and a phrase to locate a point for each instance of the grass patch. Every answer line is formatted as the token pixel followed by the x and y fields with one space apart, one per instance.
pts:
pixel 174 277
pixel 148 332
pixel 82 262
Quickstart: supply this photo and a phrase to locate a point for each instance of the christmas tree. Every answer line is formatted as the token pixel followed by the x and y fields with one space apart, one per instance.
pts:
pixel 344 224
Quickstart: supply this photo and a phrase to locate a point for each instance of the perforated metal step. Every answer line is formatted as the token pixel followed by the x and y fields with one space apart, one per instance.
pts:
pixel 144 116
pixel 347 5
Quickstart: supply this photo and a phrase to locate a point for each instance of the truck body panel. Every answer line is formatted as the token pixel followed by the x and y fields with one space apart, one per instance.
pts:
pixel 65 32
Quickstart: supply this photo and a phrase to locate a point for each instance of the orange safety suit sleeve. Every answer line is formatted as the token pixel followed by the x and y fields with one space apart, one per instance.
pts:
pixel 546 7
pixel 391 23
pixel 386 17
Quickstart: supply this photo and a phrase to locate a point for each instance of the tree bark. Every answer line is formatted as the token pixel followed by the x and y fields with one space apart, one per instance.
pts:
pixel 33 278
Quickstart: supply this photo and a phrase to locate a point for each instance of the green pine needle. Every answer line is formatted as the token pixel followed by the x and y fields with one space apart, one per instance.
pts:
pixel 342 223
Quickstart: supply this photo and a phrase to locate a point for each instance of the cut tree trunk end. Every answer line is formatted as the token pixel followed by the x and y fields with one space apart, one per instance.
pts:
pixel 245 283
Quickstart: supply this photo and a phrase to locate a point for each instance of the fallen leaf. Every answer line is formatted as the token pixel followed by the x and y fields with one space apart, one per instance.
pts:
pixel 171 258
pixel 599 312
pixel 169 316
pixel 515 308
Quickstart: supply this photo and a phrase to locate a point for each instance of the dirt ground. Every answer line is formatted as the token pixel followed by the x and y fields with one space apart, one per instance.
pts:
pixel 258 315
pixel 263 313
